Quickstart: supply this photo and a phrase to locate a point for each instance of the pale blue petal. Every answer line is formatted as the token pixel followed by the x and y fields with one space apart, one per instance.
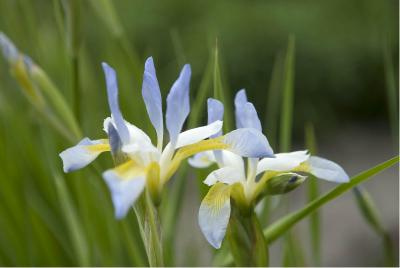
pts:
pixel 250 117
pixel 248 142
pixel 245 113
pixel 215 110
pixel 152 97
pixel 214 214
pixel 178 106
pixel 124 191
pixel 112 92
pixel 79 156
pixel 327 170
pixel 240 102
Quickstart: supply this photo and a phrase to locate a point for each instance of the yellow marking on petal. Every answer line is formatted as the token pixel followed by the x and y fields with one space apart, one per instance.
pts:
pixel 129 169
pixel 303 167
pixel 217 196
pixel 98 148
pixel 192 149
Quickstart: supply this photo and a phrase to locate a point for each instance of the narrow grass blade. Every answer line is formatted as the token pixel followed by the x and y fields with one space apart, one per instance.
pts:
pixel 285 140
pixel 370 213
pixel 273 105
pixel 220 92
pixel 278 228
pixel 271 123
pixel 313 193
pixel 73 24
pixel 287 98
pixel 178 47
pixel 391 89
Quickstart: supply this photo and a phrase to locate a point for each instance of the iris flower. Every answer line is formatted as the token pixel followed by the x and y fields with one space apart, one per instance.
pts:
pixel 139 162
pixel 245 184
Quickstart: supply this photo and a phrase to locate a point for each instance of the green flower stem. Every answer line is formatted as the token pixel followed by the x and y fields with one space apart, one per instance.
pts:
pixel 247 243
pixel 278 228
pixel 150 229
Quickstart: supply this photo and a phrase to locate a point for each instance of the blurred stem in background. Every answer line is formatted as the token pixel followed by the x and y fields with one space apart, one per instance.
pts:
pixel 312 193
pixel 73 32
pixel 106 12
pixel 370 213
pixel 391 89
pixel 292 251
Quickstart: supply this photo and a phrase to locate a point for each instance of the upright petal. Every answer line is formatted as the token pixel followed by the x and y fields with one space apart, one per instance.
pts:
pixel 283 161
pixel 83 153
pixel 197 134
pixel 152 97
pixel 248 142
pixel 126 182
pixel 215 111
pixel 112 93
pixel 327 170
pixel 214 213
pixel 240 102
pixel 246 114
pixel 178 106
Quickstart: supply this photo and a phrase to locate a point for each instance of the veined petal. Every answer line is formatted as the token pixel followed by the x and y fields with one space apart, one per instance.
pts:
pixel 112 93
pixel 152 97
pixel 240 102
pixel 283 161
pixel 202 160
pixel 197 134
pixel 214 213
pixel 327 170
pixel 245 113
pixel 248 142
pixel 228 175
pixel 126 182
pixel 178 106
pixel 250 117
pixel 83 153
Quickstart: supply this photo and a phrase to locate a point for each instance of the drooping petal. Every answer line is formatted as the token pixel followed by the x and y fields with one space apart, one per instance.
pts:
pixel 248 142
pixel 197 134
pixel 228 175
pixel 202 160
pixel 126 182
pixel 83 153
pixel 152 97
pixel 240 102
pixel 283 161
pixel 178 106
pixel 112 93
pixel 214 213
pixel 327 170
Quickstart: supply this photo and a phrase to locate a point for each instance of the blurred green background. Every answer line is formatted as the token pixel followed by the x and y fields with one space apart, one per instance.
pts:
pixel 346 60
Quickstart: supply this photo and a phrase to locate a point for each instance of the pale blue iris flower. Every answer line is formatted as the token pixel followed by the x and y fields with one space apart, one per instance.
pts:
pixel 234 179
pixel 141 163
